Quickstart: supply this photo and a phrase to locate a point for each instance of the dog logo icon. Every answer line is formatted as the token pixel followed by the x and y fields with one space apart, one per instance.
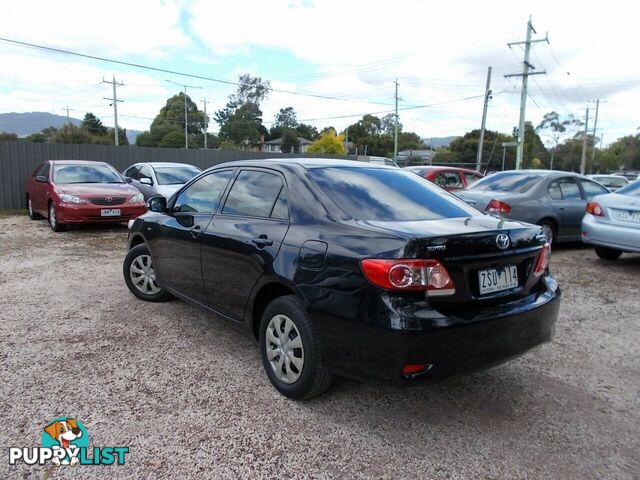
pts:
pixel 67 434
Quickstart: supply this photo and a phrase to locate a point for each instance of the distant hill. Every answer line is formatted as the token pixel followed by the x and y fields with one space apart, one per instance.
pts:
pixel 439 142
pixel 23 124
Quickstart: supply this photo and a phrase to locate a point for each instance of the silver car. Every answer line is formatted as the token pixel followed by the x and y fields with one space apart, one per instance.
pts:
pixel 159 178
pixel 554 200
pixel 612 182
pixel 612 222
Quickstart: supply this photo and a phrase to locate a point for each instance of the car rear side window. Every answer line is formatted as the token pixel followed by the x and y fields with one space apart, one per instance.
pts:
pixel 554 191
pixel 591 189
pixel 253 194
pixel 569 188
pixel 387 195
pixel 203 195
pixel 281 208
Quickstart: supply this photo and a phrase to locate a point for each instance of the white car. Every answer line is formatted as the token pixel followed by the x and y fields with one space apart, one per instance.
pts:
pixel 612 182
pixel 159 178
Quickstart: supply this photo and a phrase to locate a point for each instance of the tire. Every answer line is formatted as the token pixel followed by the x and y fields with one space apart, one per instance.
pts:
pixel 311 379
pixel 608 253
pixel 53 222
pixel 140 277
pixel 32 215
pixel 549 229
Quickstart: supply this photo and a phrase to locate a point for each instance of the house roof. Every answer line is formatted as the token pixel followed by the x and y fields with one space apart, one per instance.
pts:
pixel 416 153
pixel 278 141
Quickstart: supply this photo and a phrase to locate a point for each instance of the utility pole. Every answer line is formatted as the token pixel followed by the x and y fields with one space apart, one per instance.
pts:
pixel 583 161
pixel 487 96
pixel 206 123
pixel 595 124
pixel 395 130
pixel 526 71
pixel 68 118
pixel 186 114
pixel 114 102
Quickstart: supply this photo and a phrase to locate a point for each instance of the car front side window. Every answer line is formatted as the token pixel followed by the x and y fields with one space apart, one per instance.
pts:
pixel 203 195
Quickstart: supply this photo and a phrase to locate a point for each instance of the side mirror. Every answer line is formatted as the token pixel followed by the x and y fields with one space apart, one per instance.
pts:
pixel 42 179
pixel 158 204
pixel 146 181
pixel 128 179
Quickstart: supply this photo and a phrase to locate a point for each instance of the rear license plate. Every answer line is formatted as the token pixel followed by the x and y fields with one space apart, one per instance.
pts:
pixel 624 216
pixel 497 279
pixel 110 212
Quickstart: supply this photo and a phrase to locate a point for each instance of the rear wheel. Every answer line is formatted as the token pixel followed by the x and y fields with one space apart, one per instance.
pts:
pixel 32 214
pixel 549 230
pixel 290 350
pixel 140 276
pixel 53 220
pixel 608 253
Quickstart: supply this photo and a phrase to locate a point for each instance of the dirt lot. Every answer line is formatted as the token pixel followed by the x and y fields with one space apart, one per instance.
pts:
pixel 187 394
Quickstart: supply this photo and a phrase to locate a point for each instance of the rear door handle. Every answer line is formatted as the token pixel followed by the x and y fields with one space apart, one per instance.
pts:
pixel 262 241
pixel 196 231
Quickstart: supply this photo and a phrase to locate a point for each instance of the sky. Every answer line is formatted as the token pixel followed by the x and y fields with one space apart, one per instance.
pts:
pixel 350 50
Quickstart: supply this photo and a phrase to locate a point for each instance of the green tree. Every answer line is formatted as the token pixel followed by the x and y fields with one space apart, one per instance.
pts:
pixel 8 136
pixel 290 142
pixel 328 144
pixel 71 134
pixel 307 131
pixel 388 124
pixel 557 127
pixel 173 139
pixel 285 118
pixel 624 153
pixel 37 137
pixel 93 124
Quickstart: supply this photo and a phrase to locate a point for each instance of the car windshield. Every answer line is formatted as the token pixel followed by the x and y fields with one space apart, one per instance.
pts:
pixel 631 189
pixel 175 175
pixel 388 195
pixel 518 182
pixel 84 173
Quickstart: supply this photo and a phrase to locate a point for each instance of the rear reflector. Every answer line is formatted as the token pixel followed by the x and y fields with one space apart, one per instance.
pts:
pixel 409 275
pixel 594 208
pixel 413 369
pixel 496 206
pixel 543 260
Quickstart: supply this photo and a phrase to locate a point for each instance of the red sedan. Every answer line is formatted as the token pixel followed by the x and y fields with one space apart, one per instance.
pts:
pixel 77 191
pixel 449 178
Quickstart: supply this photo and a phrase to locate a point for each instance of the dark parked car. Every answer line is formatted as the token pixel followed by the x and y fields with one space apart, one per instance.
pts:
pixel 554 200
pixel 449 178
pixel 347 268
pixel 79 191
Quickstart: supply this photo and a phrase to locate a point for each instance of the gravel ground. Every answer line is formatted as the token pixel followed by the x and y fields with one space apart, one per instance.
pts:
pixel 187 394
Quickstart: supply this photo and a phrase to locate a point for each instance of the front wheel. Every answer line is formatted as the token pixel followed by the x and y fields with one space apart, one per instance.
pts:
pixel 290 350
pixel 55 225
pixel 608 253
pixel 140 276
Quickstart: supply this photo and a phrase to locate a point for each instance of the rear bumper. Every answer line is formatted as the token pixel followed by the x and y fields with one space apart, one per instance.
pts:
pixel 88 213
pixel 618 237
pixel 463 345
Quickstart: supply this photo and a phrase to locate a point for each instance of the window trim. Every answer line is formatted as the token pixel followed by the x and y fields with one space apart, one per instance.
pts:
pixel 256 169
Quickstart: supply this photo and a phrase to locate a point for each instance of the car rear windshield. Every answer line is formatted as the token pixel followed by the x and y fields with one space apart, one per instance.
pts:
pixel 175 175
pixel 631 189
pixel 518 182
pixel 387 195
pixel 82 173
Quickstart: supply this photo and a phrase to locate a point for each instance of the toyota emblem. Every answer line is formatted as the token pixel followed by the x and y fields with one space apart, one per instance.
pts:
pixel 108 199
pixel 503 241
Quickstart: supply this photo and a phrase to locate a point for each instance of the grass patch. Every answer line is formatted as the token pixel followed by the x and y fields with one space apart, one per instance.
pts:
pixel 9 213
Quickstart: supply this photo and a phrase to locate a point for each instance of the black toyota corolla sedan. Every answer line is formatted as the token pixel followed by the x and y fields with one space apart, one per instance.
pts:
pixel 347 268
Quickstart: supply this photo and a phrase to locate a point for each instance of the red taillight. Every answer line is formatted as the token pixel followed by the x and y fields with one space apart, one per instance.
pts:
pixel 543 260
pixel 413 369
pixel 409 275
pixel 594 208
pixel 496 206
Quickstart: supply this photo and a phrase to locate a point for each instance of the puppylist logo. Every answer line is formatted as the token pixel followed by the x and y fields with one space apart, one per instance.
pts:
pixel 65 441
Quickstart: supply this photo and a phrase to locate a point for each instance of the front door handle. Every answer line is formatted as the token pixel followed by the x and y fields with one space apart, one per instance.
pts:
pixel 196 231
pixel 262 241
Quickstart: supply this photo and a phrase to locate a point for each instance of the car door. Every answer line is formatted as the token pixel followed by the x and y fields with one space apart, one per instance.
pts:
pixel 243 240
pixel 132 175
pixel 37 189
pixel 569 206
pixel 148 190
pixel 177 247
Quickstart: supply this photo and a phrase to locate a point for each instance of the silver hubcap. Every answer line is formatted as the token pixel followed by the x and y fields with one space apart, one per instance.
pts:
pixel 143 276
pixel 285 351
pixel 30 206
pixel 548 232
pixel 52 216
